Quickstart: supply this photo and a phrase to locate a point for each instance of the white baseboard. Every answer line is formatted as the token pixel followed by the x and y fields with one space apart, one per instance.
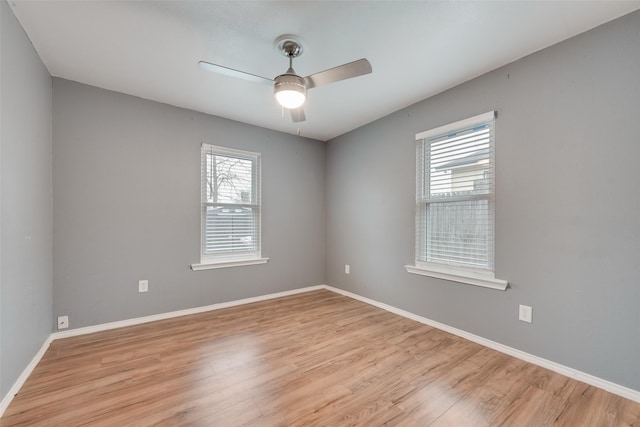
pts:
pixel 556 367
pixel 24 375
pixel 609 386
pixel 172 314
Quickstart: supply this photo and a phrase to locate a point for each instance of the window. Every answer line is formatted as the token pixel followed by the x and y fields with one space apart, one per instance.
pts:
pixel 230 208
pixel 455 202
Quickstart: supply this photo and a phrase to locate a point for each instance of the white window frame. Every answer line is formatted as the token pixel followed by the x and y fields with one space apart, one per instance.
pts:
pixel 472 276
pixel 235 258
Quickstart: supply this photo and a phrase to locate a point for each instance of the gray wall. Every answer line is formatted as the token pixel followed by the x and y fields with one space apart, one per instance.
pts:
pixel 26 202
pixel 127 207
pixel 567 221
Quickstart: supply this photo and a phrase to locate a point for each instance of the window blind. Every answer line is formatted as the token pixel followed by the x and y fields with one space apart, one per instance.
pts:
pixel 455 194
pixel 230 203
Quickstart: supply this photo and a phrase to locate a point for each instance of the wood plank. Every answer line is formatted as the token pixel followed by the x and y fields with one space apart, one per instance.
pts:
pixel 317 358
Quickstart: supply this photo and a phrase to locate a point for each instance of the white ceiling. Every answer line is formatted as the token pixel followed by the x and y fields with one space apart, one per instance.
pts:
pixel 417 49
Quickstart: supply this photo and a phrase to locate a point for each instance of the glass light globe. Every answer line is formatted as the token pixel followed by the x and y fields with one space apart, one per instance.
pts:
pixel 290 98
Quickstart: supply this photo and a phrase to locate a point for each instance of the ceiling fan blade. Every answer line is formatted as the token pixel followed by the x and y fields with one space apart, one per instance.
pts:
pixel 234 73
pixel 297 115
pixel 342 72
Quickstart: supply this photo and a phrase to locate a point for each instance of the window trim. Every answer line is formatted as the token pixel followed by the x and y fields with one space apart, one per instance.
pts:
pixel 461 274
pixel 471 121
pixel 245 258
pixel 213 264
pixel 484 279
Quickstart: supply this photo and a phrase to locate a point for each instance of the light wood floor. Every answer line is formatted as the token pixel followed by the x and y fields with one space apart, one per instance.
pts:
pixel 312 359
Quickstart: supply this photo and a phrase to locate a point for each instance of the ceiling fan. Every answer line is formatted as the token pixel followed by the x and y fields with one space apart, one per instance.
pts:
pixel 289 88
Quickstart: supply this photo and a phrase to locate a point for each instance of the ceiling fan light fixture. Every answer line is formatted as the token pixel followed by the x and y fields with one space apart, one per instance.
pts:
pixel 290 98
pixel 290 91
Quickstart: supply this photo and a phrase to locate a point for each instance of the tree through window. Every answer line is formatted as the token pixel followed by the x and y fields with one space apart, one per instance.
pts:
pixel 230 204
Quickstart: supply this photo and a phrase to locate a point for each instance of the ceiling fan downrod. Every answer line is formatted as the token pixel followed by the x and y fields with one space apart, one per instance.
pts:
pixel 290 89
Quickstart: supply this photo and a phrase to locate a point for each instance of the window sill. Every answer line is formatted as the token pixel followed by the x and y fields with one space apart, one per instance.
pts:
pixel 228 263
pixel 460 276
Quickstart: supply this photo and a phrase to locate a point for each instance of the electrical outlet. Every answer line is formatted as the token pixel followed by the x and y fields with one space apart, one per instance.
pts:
pixel 63 322
pixel 143 286
pixel 525 313
pixel 347 269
